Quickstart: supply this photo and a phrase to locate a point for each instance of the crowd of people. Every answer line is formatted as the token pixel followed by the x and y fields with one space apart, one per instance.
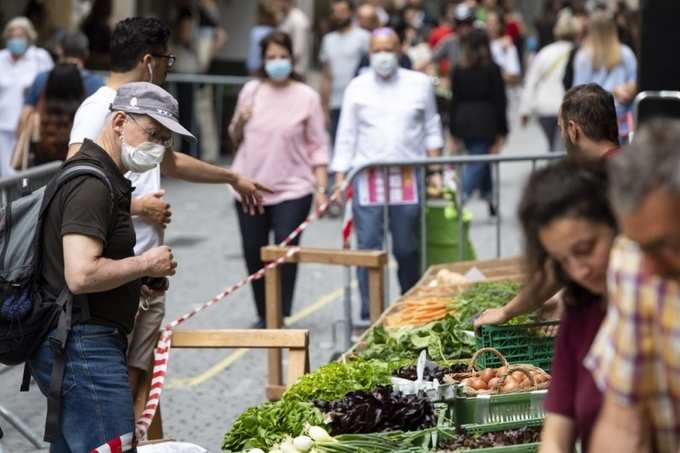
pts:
pixel 601 246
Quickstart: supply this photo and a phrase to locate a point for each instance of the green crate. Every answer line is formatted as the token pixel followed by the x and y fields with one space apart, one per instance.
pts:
pixel 496 427
pixel 504 408
pixel 522 343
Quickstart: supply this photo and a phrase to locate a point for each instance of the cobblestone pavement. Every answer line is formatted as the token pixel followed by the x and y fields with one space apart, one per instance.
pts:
pixel 208 389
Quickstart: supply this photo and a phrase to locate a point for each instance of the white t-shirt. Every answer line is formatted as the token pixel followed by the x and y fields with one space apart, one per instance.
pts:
pixel 88 122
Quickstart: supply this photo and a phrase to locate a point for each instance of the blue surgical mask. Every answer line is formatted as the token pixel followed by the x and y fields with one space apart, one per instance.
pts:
pixel 17 46
pixel 278 69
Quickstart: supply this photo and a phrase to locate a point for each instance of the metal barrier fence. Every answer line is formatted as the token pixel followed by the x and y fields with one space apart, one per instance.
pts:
pixel 24 182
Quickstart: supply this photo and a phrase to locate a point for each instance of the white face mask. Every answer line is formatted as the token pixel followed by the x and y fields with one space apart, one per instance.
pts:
pixel 384 63
pixel 141 158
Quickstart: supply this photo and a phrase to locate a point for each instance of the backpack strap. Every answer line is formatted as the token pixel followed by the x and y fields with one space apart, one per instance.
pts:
pixel 58 340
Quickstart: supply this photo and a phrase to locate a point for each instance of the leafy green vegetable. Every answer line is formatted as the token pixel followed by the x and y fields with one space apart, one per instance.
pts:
pixel 265 425
pixel 483 295
pixel 335 380
pixel 444 340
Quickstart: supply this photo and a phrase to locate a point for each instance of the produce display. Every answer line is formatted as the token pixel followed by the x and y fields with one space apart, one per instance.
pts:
pixel 379 410
pixel 471 441
pixel 354 400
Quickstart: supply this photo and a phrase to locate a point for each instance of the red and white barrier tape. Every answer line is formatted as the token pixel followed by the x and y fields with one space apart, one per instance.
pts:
pixel 162 350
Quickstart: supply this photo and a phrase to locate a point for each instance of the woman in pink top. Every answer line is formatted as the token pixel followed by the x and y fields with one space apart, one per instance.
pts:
pixel 279 126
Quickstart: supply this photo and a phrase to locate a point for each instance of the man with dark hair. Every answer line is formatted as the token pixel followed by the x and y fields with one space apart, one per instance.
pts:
pixel 139 52
pixel 587 121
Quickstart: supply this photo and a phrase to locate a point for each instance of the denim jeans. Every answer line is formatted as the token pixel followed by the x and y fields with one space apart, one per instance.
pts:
pixel 403 226
pixel 96 397
pixel 477 176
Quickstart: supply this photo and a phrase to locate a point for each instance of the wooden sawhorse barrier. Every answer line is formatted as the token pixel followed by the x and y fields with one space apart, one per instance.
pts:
pixel 296 341
pixel 374 260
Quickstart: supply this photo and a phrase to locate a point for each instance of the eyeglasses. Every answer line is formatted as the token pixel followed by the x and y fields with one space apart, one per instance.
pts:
pixel 153 135
pixel 171 58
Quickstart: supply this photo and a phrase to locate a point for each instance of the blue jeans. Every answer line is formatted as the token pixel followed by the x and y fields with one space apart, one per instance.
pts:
pixel 403 225
pixel 477 176
pixel 96 397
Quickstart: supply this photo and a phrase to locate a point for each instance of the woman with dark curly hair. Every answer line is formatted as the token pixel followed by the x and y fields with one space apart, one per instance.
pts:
pixel 569 229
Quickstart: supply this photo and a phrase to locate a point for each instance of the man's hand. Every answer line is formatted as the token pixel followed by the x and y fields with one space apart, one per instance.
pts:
pixel 251 194
pixel 155 209
pixel 159 262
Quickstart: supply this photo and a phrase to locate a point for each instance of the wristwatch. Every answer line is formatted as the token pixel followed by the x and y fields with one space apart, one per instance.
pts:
pixel 321 190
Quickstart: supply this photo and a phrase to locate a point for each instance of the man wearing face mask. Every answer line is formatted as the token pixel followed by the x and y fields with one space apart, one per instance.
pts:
pixel 20 62
pixel 88 247
pixel 388 113
pixel 139 52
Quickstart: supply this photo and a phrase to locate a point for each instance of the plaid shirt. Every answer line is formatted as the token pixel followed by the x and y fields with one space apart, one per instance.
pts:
pixel 636 355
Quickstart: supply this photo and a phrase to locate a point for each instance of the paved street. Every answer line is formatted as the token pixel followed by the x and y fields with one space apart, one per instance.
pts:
pixel 208 389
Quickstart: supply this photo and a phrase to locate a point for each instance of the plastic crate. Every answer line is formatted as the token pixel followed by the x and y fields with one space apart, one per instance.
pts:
pixel 496 427
pixel 493 409
pixel 522 343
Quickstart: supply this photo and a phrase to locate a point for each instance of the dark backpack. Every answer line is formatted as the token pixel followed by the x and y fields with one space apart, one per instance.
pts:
pixel 25 319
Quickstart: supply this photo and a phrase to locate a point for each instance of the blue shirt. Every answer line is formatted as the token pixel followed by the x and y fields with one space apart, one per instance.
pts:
pixel 257 34
pixel 91 83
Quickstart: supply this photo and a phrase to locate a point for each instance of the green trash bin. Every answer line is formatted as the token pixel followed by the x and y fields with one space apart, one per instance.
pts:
pixel 443 233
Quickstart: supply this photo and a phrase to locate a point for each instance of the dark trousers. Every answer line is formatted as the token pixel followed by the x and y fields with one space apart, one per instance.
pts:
pixel 550 129
pixel 282 219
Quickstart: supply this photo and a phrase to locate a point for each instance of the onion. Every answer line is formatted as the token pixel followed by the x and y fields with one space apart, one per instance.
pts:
pixel 518 375
pixel 493 383
pixel 502 370
pixel 510 385
pixel 317 434
pixel 487 374
pixel 303 443
pixel 478 384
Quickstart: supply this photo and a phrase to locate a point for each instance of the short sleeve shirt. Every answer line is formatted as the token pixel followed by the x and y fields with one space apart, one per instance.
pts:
pixel 635 357
pixel 86 206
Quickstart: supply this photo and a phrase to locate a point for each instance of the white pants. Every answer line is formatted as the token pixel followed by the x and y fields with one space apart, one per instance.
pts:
pixel 7 142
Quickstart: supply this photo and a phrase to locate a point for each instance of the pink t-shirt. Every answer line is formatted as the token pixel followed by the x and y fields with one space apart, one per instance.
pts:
pixel 284 139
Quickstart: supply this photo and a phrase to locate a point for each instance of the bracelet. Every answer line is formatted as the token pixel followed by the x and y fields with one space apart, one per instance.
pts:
pixel 321 190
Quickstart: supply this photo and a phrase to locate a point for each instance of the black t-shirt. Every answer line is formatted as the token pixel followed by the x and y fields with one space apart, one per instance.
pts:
pixel 84 206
